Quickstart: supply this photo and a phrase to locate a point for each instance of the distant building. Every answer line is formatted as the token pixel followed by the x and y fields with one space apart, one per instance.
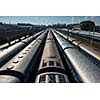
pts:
pixel 76 27
pixel 4 26
pixel 24 26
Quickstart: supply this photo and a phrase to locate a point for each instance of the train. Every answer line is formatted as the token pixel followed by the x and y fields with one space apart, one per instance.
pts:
pixel 82 68
pixel 51 68
pixel 10 52
pixel 91 52
pixel 85 34
pixel 20 67
pixel 10 43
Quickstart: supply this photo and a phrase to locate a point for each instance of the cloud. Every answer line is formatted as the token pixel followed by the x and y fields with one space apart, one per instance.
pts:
pixel 96 19
pixel 92 18
pixel 73 19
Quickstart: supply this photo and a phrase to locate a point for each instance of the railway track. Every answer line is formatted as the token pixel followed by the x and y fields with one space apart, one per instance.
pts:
pixel 48 58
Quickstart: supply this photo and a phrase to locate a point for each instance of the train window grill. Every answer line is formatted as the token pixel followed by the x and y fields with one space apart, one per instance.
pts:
pixel 57 64
pixel 51 78
pixel 44 64
pixel 62 79
pixel 57 78
pixel 42 79
pixel 51 63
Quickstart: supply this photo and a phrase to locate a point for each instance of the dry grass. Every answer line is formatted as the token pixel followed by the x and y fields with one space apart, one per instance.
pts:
pixel 95 44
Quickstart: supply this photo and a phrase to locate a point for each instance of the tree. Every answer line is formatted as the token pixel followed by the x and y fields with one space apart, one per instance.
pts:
pixel 97 28
pixel 70 26
pixel 87 25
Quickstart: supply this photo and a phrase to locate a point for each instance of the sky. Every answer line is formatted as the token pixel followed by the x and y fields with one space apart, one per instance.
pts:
pixel 46 20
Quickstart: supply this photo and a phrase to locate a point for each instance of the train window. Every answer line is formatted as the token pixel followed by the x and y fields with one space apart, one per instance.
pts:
pixel 10 67
pixel 51 63
pixel 51 78
pixel 52 57
pixel 44 64
pixel 62 79
pixel 29 47
pixel 57 64
pixel 42 79
pixel 20 56
pixel 24 53
pixel 16 61
pixel 27 50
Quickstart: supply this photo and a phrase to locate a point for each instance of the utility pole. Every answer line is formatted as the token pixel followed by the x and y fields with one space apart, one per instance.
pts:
pixel 68 34
pixel 92 37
